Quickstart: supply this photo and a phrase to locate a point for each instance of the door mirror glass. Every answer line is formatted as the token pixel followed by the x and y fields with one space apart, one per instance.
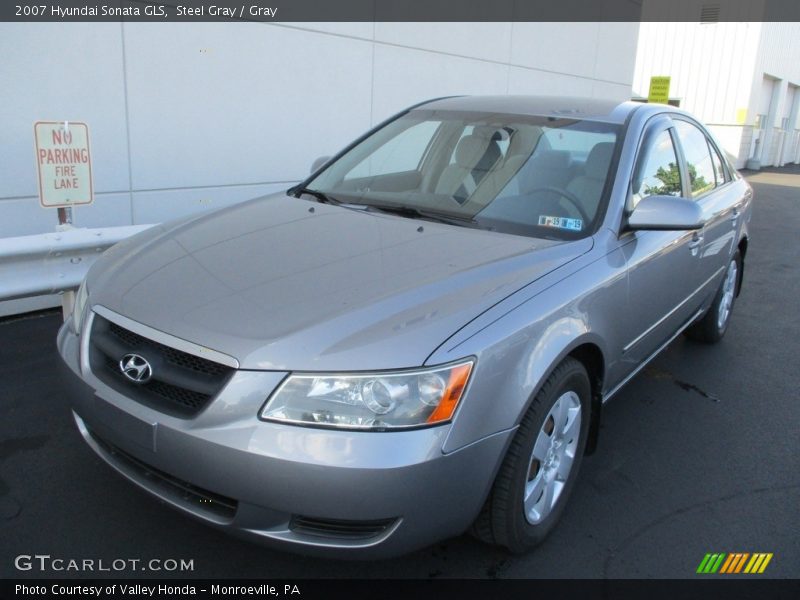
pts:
pixel 666 213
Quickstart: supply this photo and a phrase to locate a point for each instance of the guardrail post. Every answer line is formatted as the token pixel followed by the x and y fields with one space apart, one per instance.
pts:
pixel 65 215
pixel 67 303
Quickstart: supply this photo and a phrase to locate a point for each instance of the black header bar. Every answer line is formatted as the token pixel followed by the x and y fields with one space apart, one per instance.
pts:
pixel 702 587
pixel 285 11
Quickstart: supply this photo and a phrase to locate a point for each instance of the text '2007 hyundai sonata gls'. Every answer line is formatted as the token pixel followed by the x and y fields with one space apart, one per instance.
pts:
pixel 418 339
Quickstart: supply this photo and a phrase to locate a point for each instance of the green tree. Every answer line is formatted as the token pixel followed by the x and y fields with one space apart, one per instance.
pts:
pixel 670 181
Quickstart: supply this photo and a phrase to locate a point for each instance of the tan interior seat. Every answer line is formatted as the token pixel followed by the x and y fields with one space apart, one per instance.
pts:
pixel 588 187
pixel 475 155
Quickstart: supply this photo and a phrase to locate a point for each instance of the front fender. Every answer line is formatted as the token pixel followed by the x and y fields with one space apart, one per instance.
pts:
pixel 518 348
pixel 509 374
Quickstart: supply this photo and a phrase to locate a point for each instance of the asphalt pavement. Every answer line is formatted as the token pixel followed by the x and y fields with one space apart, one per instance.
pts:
pixel 698 454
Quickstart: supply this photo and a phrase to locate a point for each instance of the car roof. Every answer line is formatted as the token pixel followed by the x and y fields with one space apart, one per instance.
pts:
pixel 570 107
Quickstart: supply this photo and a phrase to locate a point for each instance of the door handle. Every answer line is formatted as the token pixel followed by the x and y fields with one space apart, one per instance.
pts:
pixel 734 216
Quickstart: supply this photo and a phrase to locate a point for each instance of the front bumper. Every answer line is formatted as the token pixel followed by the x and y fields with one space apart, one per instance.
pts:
pixel 316 491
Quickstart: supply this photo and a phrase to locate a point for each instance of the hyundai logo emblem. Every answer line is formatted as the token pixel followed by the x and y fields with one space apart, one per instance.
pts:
pixel 136 368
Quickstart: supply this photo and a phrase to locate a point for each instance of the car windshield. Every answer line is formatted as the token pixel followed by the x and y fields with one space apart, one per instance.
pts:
pixel 526 175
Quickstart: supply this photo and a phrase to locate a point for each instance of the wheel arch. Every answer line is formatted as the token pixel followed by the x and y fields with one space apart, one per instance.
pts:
pixel 588 350
pixel 743 243
pixel 515 368
pixel 591 357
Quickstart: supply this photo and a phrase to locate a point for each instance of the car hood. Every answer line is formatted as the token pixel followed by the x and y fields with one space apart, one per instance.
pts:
pixel 288 284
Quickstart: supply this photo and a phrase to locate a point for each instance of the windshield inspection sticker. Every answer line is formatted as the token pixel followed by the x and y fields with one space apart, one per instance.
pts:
pixel 561 223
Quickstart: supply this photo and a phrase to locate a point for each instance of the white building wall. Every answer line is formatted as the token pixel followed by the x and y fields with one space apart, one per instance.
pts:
pixel 185 117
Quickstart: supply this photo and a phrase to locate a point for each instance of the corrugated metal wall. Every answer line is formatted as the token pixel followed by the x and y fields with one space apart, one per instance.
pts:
pixel 718 72
pixel 779 58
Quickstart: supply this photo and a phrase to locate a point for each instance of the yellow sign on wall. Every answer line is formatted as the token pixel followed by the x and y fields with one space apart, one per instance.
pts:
pixel 659 89
pixel 741 116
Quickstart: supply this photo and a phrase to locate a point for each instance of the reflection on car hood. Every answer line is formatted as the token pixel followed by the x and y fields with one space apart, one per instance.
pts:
pixel 288 284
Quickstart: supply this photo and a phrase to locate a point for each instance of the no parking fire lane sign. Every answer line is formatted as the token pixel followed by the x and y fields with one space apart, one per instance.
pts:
pixel 64 163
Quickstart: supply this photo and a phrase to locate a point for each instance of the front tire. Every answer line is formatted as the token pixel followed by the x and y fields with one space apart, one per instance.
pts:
pixel 541 465
pixel 714 323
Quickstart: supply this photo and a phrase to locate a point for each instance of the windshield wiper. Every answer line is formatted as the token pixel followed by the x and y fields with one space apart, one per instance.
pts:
pixel 416 213
pixel 320 196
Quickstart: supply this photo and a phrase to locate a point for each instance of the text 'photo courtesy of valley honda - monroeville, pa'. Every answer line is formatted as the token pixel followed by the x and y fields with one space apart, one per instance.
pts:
pixel 417 340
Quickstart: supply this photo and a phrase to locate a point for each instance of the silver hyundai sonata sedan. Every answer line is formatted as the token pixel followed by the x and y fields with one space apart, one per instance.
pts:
pixel 418 339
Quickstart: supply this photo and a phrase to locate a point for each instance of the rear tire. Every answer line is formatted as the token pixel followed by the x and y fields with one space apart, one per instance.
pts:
pixel 541 464
pixel 712 327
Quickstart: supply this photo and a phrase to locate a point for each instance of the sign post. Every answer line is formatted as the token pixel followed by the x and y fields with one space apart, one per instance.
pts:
pixel 659 89
pixel 64 169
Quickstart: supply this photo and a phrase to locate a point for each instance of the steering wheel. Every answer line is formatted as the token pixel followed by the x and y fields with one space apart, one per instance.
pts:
pixel 573 199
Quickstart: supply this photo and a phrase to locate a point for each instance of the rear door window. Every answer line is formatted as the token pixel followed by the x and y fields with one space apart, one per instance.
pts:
pixel 702 176
pixel 720 174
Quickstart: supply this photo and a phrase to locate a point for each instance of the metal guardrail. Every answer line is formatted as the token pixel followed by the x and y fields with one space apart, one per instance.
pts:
pixel 51 263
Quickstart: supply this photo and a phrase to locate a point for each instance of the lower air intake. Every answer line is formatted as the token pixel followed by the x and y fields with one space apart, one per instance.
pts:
pixel 339 529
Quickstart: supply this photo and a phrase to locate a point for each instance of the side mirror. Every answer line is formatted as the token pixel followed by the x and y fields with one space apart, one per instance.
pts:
pixel 318 163
pixel 666 213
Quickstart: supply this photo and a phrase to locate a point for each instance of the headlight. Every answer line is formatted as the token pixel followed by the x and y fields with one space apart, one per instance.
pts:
pixel 80 303
pixel 376 401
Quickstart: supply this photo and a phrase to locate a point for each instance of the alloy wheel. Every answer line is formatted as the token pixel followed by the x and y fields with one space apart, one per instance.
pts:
pixel 552 457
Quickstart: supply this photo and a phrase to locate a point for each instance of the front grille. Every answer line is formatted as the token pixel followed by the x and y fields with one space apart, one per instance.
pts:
pixel 340 529
pixel 171 355
pixel 199 499
pixel 182 384
pixel 189 399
